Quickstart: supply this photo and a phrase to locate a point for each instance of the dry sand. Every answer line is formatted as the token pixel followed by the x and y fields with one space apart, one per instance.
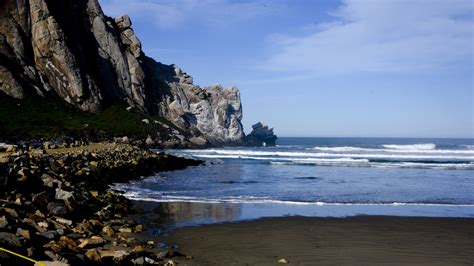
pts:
pixel 363 240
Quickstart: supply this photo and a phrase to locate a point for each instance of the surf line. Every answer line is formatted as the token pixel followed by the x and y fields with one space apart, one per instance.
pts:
pixel 23 257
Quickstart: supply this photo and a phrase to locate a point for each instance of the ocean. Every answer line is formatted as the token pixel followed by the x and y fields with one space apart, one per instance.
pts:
pixel 335 177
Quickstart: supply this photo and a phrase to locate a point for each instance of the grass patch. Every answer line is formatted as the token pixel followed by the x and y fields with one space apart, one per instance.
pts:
pixel 50 118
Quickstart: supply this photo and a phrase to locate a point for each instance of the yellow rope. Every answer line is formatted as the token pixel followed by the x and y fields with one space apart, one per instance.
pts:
pixel 23 257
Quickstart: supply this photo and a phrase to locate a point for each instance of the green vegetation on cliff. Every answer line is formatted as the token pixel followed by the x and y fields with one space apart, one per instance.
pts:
pixel 40 118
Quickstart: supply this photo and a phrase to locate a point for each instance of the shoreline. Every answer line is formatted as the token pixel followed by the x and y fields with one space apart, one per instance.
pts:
pixel 176 214
pixel 363 240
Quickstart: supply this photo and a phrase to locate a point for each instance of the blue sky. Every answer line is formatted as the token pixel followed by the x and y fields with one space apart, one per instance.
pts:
pixel 324 68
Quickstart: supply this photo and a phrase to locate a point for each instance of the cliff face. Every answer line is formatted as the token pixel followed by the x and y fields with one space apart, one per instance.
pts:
pixel 70 49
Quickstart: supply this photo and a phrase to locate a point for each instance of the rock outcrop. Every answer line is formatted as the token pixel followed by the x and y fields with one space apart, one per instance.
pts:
pixel 261 135
pixel 72 50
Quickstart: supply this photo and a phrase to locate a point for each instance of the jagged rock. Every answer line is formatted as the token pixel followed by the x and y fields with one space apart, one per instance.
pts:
pixel 72 50
pixel 138 249
pixel 56 208
pixel 33 224
pixel 139 261
pixel 116 256
pixel 123 22
pixel 93 255
pixel 138 228
pixel 63 221
pixel 43 225
pixel 149 141
pixel 12 212
pixel 10 242
pixel 108 231
pixel 48 234
pixel 149 261
pixel 261 135
pixel 125 230
pixel 23 233
pixel 62 194
pixel 56 257
pixel 93 241
pixel 3 222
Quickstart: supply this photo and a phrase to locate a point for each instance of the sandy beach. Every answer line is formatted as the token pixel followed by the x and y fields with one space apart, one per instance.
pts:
pixel 362 240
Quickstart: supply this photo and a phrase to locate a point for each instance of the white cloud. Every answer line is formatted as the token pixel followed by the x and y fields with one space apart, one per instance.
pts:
pixel 176 13
pixel 380 36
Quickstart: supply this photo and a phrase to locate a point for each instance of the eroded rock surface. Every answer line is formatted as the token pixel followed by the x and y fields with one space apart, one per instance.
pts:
pixel 72 50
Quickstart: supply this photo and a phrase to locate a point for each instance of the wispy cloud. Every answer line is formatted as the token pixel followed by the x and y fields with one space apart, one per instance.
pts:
pixel 176 13
pixel 380 36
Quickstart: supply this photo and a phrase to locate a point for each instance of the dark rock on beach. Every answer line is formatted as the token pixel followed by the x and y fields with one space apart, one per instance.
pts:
pixel 56 205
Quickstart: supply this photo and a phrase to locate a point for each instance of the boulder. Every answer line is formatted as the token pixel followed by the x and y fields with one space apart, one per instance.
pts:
pixel 261 135
pixel 56 208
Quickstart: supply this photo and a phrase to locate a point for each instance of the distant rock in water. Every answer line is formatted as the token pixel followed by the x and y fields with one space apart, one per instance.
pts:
pixel 261 135
pixel 71 50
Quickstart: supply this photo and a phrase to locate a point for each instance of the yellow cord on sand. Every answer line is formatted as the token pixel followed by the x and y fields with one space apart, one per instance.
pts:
pixel 23 257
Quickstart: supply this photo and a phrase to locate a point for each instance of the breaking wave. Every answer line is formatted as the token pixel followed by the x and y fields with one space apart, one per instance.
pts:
pixel 428 146
pixel 423 156
pixel 266 200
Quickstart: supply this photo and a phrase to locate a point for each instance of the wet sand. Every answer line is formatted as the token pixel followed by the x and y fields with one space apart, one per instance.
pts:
pixel 362 240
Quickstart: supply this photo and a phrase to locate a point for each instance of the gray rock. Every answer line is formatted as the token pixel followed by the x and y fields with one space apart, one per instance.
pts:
pixel 3 222
pixel 63 221
pixel 56 208
pixel 261 135
pixel 9 241
pixel 62 194
pixel 139 261
pixel 123 22
pixel 149 141
pixel 48 234
pixel 198 141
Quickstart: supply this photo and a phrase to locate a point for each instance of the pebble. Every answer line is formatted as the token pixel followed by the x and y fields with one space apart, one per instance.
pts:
pixel 108 231
pixel 125 230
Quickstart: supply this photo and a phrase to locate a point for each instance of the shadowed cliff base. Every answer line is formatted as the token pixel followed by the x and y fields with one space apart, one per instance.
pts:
pixel 39 118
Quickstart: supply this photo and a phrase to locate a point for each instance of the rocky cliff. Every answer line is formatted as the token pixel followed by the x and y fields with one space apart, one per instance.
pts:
pixel 70 49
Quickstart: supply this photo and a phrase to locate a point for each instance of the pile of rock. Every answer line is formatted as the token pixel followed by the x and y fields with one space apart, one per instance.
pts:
pixel 261 135
pixel 57 207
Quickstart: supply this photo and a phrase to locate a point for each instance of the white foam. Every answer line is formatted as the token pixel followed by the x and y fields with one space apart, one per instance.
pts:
pixel 381 165
pixel 214 153
pixel 427 146
pixel 399 150
pixel 267 200
pixel 342 149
